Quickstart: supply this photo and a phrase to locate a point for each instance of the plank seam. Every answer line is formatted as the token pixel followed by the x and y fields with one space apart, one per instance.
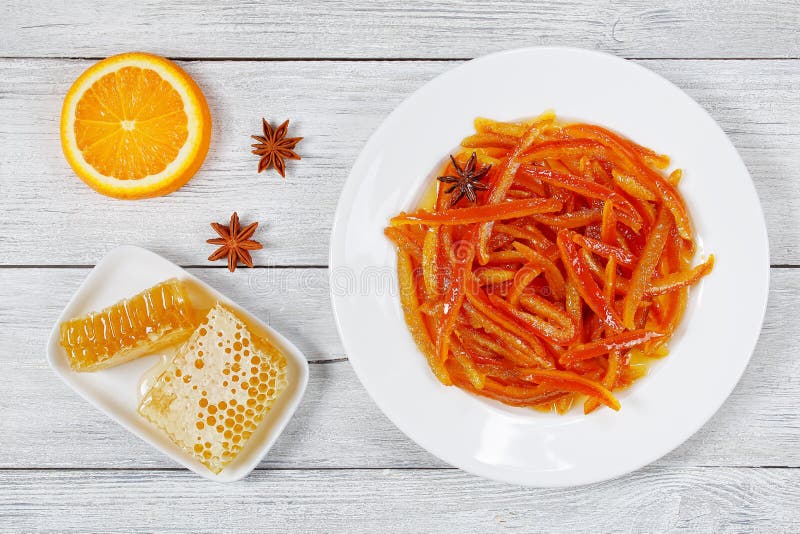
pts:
pixel 368 468
pixel 282 266
pixel 329 360
pixel 381 59
pixel 221 266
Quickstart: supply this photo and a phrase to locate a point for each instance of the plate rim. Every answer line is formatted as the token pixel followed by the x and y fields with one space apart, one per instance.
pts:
pixel 346 197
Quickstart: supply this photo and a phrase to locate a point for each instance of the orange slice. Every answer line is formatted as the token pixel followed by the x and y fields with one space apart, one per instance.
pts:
pixel 135 126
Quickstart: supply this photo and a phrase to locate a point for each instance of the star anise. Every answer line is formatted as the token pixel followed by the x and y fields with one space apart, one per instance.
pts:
pixel 467 181
pixel 274 147
pixel 234 242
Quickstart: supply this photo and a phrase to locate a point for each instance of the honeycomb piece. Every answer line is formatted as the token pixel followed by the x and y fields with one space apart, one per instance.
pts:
pixel 218 388
pixel 148 321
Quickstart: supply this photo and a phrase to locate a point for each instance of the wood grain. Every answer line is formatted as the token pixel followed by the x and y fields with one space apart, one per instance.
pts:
pixel 341 465
pixel 51 218
pixel 412 29
pixel 338 425
pixel 652 500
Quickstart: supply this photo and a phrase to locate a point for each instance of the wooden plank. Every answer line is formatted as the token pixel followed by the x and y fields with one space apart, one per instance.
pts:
pixel 416 29
pixel 52 218
pixel 293 301
pixel 652 500
pixel 338 425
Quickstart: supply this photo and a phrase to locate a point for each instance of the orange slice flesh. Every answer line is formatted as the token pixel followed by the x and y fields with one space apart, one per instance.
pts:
pixel 135 126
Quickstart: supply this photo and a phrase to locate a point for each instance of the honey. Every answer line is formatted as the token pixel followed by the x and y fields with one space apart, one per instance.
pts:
pixel 213 422
pixel 147 322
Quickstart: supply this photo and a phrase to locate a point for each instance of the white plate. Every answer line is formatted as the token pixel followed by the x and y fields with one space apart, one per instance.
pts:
pixel 708 354
pixel 124 272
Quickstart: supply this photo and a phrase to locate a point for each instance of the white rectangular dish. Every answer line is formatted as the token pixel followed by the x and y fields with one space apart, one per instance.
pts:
pixel 124 272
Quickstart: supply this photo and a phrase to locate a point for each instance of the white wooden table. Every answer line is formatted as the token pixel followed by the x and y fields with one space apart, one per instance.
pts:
pixel 337 69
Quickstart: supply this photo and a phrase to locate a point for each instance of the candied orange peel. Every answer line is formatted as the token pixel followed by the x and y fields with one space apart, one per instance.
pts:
pixel 560 274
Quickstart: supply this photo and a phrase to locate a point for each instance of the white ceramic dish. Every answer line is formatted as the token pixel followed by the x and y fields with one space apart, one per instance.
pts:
pixel 124 272
pixel 708 354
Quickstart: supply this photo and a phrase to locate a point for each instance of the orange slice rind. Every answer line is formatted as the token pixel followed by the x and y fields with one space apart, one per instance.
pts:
pixel 135 125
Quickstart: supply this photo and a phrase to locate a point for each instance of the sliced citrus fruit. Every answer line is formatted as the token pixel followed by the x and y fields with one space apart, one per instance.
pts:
pixel 135 126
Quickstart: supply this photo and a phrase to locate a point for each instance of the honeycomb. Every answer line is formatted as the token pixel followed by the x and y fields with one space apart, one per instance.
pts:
pixel 153 319
pixel 218 388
